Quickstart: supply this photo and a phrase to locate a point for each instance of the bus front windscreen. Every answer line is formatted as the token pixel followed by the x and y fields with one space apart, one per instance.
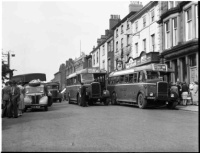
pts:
pixel 87 77
pixel 152 75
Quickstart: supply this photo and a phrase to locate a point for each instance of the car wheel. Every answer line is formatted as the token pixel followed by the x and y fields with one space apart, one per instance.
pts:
pixel 79 100
pixel 60 100
pixel 90 102
pixel 142 102
pixel 106 101
pixel 25 109
pixel 113 99
pixel 46 108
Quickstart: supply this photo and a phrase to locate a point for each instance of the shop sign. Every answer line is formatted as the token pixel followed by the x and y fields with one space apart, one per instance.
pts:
pixel 160 67
pixel 119 65
pixel 131 63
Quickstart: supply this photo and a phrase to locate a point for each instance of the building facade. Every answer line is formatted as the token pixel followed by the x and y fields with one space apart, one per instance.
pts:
pixel 122 47
pixel 179 43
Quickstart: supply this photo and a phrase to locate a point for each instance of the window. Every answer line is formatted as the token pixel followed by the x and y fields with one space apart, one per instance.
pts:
pixel 144 21
pixel 103 50
pixel 144 44
pixel 103 64
pixel 152 15
pixel 167 35
pixel 153 42
pixel 128 25
pixel 134 77
pixel 136 47
pixel 122 44
pixel 136 26
pixel 111 44
pixel 121 79
pixel 117 33
pixel 122 28
pixel 109 65
pixel 97 57
pixel 175 42
pixel 192 60
pixel 127 57
pixel 171 4
pixel 128 37
pixel 188 16
pixel 197 21
pixel 94 59
pixel 117 46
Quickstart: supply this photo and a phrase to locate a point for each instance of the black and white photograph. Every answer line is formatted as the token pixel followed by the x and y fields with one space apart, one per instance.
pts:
pixel 99 76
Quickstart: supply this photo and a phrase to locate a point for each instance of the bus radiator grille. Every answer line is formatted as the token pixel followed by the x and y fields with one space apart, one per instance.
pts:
pixel 162 87
pixel 96 89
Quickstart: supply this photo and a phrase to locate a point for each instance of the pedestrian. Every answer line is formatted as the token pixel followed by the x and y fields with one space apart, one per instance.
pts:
pixel 185 90
pixel 15 94
pixel 21 99
pixel 6 95
pixel 195 93
pixel 83 95
pixel 179 91
pixel 191 91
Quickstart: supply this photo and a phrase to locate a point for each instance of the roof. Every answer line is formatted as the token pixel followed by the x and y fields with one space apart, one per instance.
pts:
pixel 124 19
pixel 29 77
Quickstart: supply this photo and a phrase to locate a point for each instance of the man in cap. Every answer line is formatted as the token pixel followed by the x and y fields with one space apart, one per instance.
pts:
pixel 6 94
pixel 15 94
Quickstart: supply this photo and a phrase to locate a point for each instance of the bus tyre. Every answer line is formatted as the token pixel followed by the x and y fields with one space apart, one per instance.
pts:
pixel 79 100
pixel 142 102
pixel 46 108
pixel 60 100
pixel 106 101
pixel 69 100
pixel 113 99
pixel 172 105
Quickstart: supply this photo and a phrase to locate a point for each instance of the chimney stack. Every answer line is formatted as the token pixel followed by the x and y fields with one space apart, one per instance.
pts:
pixel 135 6
pixel 114 19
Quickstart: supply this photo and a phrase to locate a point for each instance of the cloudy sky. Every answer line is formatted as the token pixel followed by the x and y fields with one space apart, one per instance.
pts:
pixel 44 34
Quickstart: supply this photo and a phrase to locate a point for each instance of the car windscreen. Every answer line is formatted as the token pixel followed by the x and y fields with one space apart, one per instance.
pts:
pixel 34 90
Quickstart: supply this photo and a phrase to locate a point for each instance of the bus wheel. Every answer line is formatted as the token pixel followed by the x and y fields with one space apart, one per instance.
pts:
pixel 69 100
pixel 79 100
pixel 142 103
pixel 171 105
pixel 106 101
pixel 113 99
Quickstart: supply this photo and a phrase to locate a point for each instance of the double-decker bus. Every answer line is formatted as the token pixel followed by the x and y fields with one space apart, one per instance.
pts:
pixel 95 82
pixel 143 85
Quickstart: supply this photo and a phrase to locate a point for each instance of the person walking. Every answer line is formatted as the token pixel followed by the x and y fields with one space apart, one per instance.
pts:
pixel 83 95
pixel 179 91
pixel 6 94
pixel 185 90
pixel 195 93
pixel 15 94
pixel 21 99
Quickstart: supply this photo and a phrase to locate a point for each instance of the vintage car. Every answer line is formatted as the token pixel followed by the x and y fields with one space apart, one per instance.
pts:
pixel 36 93
pixel 53 87
pixel 37 96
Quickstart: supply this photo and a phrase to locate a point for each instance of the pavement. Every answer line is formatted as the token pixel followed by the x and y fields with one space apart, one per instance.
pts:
pixel 194 108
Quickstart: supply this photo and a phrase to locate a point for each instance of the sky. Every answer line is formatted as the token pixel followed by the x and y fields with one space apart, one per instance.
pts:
pixel 44 34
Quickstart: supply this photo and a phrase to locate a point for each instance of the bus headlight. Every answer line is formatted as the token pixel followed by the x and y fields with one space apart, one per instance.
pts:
pixel 151 93
pixel 172 95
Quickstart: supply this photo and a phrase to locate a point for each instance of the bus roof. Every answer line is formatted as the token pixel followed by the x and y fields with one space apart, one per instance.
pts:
pixel 151 67
pixel 25 78
pixel 88 70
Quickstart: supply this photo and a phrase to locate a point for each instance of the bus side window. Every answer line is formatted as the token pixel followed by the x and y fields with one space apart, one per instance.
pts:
pixel 135 77
pixel 117 79
pixel 126 79
pixel 121 78
pixel 130 78
pixel 140 76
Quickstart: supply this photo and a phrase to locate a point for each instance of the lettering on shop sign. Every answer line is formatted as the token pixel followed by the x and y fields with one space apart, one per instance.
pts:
pixel 130 63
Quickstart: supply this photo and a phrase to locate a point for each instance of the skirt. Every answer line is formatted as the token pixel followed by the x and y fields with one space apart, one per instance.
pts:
pixel 21 102
pixel 184 95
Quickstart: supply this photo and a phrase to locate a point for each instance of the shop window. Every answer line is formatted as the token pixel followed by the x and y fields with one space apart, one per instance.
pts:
pixel 192 60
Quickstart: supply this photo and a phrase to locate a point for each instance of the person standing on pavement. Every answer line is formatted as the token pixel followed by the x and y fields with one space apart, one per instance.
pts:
pixel 15 94
pixel 6 94
pixel 196 93
pixel 21 99
pixel 179 91
pixel 185 90
pixel 83 95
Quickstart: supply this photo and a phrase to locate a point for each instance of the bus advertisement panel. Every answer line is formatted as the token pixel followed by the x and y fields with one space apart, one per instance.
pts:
pixel 93 80
pixel 143 85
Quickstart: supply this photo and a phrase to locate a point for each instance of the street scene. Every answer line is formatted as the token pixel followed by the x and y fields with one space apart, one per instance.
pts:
pixel 71 128
pixel 117 76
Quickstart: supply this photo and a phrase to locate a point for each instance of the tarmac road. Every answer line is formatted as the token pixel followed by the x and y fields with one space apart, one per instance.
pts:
pixel 71 128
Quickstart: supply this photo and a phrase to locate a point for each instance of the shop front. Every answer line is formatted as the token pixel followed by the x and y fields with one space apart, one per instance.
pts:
pixel 183 59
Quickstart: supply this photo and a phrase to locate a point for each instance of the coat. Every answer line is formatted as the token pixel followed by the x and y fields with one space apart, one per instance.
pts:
pixel 6 93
